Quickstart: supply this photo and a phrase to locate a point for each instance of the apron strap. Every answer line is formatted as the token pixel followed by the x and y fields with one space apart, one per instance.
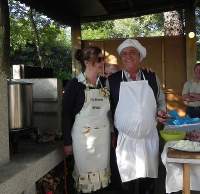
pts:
pixel 142 75
pixel 123 74
pixel 99 81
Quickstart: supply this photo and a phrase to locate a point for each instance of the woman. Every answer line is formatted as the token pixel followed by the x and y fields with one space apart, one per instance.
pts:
pixel 191 94
pixel 87 124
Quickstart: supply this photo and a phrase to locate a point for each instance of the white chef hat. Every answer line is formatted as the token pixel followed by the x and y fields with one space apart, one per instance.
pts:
pixel 135 44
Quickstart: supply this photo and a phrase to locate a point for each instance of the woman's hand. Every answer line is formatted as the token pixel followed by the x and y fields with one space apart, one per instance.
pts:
pixel 68 150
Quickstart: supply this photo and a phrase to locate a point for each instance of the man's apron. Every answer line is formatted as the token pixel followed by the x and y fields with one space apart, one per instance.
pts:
pixel 138 143
pixel 91 142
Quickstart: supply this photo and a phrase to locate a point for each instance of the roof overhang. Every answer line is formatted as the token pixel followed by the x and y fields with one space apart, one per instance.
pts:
pixel 71 11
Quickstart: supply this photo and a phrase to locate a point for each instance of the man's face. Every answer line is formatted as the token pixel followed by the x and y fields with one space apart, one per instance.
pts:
pixel 130 58
pixel 197 72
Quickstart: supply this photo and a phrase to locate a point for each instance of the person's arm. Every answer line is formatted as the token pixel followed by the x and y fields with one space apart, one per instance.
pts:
pixel 68 115
pixel 193 97
pixel 186 92
pixel 161 104
pixel 188 96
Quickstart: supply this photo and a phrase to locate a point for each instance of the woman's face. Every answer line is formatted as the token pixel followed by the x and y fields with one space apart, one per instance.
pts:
pixel 97 64
pixel 130 58
pixel 197 72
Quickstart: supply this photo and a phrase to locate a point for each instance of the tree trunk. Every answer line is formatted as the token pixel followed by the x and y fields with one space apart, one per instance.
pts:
pixel 36 37
pixel 173 23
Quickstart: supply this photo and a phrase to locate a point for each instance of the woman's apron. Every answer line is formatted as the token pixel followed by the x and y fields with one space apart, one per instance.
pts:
pixel 91 142
pixel 138 143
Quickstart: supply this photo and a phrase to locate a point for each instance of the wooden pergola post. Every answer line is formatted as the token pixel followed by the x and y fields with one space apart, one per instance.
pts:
pixel 76 44
pixel 4 74
pixel 191 48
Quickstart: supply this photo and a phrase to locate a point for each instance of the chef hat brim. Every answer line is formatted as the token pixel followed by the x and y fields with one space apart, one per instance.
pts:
pixel 135 44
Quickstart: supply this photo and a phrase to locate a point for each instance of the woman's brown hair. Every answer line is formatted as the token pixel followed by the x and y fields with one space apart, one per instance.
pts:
pixel 87 54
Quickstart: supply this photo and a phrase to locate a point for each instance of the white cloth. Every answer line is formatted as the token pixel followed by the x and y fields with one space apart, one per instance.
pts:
pixel 184 127
pixel 135 119
pixel 91 142
pixel 135 44
pixel 174 173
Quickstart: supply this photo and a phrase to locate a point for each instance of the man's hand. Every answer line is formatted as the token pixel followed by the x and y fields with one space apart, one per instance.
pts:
pixel 68 150
pixel 162 116
pixel 195 96
pixel 191 97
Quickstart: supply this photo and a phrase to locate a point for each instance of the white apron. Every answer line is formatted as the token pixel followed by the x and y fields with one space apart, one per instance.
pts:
pixel 138 142
pixel 91 142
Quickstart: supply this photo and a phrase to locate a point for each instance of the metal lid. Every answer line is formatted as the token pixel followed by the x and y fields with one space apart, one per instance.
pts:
pixel 18 82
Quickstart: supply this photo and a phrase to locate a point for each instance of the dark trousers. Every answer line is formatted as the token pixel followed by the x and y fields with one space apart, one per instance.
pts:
pixel 115 176
pixel 193 112
pixel 144 185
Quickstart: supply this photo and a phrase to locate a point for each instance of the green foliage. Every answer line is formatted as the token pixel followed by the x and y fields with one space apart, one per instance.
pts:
pixel 63 74
pixel 55 40
pixel 148 25
pixel 97 30
pixel 20 33
pixel 55 44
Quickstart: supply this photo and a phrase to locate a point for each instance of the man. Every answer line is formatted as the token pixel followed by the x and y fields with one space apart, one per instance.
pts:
pixel 191 94
pixel 137 102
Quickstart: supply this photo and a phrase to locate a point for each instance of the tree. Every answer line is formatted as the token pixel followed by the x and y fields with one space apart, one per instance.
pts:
pixel 38 40
pixel 148 25
pixel 97 30
pixel 173 23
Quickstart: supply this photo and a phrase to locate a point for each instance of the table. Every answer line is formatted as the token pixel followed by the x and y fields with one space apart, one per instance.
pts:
pixel 182 169
pixel 189 158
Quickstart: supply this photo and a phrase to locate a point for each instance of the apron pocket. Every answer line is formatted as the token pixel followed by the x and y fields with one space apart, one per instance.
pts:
pixel 94 178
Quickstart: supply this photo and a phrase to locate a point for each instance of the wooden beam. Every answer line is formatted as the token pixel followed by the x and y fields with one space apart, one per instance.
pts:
pixel 4 38
pixel 4 74
pixel 76 44
pixel 191 47
pixel 186 179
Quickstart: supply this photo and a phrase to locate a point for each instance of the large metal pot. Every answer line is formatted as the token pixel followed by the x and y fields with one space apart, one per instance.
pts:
pixel 20 104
